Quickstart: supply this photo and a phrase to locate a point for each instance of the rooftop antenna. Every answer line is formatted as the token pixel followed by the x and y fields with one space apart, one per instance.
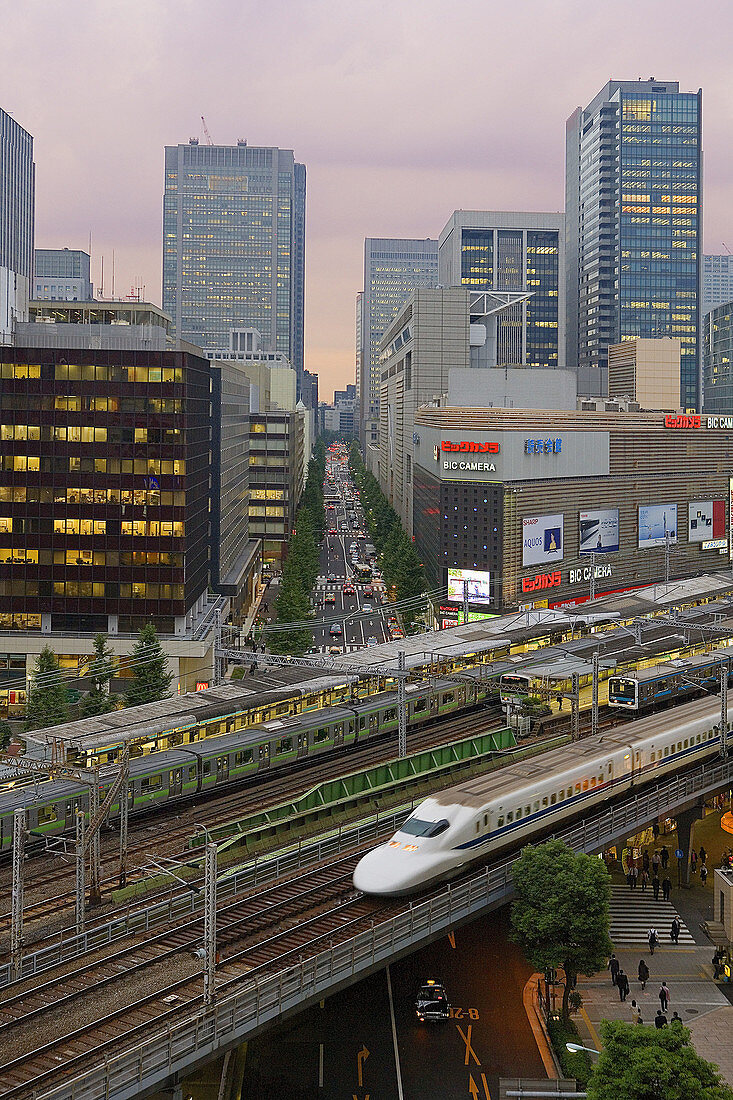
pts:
pixel 113 272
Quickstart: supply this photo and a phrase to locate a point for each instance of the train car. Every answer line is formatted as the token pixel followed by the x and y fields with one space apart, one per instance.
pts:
pixel 514 685
pixel 661 684
pixel 509 807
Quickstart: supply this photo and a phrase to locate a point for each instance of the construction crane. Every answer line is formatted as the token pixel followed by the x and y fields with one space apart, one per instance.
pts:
pixel 207 135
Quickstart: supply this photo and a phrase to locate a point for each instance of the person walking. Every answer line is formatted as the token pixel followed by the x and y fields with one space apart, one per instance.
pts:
pixel 660 1020
pixel 664 996
pixel 645 860
pixel 666 888
pixel 644 877
pixel 614 966
pixel 676 1020
pixel 655 886
pixel 656 861
pixel 653 939
pixel 703 874
pixel 703 855
pixel 674 932
pixel 622 982
pixel 635 1013
pixel 716 966
pixel 655 829
pixel 693 862
pixel 633 875
pixel 643 973
pixel 665 857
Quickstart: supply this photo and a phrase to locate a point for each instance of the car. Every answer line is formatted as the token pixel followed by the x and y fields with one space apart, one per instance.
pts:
pixel 366 607
pixel 332 576
pixel 333 531
pixel 431 1002
pixel 369 591
pixel 397 633
pixel 348 590
pixel 329 598
pixel 335 650
pixel 336 630
pixel 372 640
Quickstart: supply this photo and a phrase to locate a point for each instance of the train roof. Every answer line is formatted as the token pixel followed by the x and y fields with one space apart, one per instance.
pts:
pixel 668 668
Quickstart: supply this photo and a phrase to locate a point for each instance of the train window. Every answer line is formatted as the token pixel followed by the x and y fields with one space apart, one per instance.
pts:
pixel 610 768
pixel 527 811
pixel 537 806
pixel 420 704
pixel 207 767
pixel 321 734
pixel 151 782
pixel 577 788
pixel 486 819
pixel 243 757
pixel 585 784
pixel 192 771
pixel 448 697
pixel 652 757
pixel 478 826
pixel 500 821
pixel 593 781
pixel 351 725
pixel 553 799
pixel 687 743
pixel 362 722
pixel 221 763
pixel 282 708
pixel 666 750
pixel 679 746
pixel 509 817
pixel 544 803
pixel 284 745
pixel 518 813
pixel 46 813
pixel 698 739
pixel 389 715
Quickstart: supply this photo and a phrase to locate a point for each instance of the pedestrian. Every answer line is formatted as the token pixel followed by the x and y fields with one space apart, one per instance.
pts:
pixel 703 874
pixel 653 939
pixel 644 880
pixel 666 887
pixel 664 996
pixel 635 1013
pixel 674 932
pixel 676 1020
pixel 614 966
pixel 622 982
pixel 558 699
pixel 703 855
pixel 656 860
pixel 655 886
pixel 665 857
pixel 645 860
pixel 716 966
pixel 660 1020
pixel 643 973
pixel 693 861
pixel 655 829
pixel 632 876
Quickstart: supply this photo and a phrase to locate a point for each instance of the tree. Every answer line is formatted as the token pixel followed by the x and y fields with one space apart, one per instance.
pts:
pixel 101 670
pixel 48 698
pixel 6 735
pixel 560 915
pixel 648 1063
pixel 151 679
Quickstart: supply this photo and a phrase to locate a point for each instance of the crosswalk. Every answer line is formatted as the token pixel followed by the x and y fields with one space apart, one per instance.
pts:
pixel 634 912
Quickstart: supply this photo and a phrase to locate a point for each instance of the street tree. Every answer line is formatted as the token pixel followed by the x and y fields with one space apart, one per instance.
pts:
pixel 100 671
pixel 48 697
pixel 648 1063
pixel 560 915
pixel 151 679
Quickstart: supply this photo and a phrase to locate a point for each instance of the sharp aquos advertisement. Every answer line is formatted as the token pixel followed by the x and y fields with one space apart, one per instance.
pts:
pixel 706 520
pixel 476 583
pixel 657 525
pixel 599 531
pixel 542 539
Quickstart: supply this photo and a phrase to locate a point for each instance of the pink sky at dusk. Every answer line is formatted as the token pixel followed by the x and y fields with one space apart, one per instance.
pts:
pixel 402 112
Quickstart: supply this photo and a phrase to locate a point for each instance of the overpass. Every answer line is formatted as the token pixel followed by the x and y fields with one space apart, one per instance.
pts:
pixel 124 1069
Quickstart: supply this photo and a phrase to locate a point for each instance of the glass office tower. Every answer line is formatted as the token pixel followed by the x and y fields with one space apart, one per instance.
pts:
pixel 17 197
pixel 634 226
pixel 234 245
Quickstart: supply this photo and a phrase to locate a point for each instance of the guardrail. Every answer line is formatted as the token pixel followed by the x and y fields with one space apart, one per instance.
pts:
pixel 256 1004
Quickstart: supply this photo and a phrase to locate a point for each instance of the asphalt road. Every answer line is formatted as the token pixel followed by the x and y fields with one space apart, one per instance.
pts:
pixel 346 609
pixel 346 1047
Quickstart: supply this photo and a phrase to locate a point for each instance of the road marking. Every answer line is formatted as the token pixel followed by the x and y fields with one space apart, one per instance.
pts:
pixel 400 1093
pixel 452 939
pixel 594 1034
pixel 473 1087
pixel 485 1083
pixel 467 1040
pixel 361 1058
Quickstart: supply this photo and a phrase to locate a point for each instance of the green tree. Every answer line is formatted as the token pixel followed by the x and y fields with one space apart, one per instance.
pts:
pixel 151 679
pixel 6 735
pixel 560 915
pixel 100 671
pixel 648 1063
pixel 48 698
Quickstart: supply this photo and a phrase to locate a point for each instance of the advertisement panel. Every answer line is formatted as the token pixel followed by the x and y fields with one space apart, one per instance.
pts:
pixel 542 539
pixel 657 524
pixel 476 583
pixel 599 531
pixel 706 520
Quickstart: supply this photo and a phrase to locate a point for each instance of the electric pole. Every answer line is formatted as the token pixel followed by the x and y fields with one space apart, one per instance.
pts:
pixel 724 711
pixel 401 706
pixel 594 711
pixel 16 917
pixel 210 926
pixel 80 876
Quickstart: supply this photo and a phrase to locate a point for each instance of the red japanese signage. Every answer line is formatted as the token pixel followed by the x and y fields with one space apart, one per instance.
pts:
pixel 540 581
pixel 671 421
pixel 470 447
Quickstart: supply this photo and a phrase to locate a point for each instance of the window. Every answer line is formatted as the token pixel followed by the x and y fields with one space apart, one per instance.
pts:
pixel 151 783
pixel 285 744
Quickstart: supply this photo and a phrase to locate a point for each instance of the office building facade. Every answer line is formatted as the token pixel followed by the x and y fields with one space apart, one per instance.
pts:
pixel 17 220
pixel 234 245
pixel 717 328
pixel 633 226
pixel 518 258
pixel 62 275
pixel 646 372
pixel 717 281
pixel 392 269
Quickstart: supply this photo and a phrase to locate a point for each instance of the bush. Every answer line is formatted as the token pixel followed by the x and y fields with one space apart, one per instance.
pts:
pixel 238 673
pixel 573 1065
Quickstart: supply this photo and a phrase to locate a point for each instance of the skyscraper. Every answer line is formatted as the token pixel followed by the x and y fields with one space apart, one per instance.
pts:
pixel 633 223
pixel 234 245
pixel 62 275
pixel 17 211
pixel 392 269
pixel 717 282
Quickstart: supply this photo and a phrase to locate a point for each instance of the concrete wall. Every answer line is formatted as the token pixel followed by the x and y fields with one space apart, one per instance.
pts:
pixel 511 388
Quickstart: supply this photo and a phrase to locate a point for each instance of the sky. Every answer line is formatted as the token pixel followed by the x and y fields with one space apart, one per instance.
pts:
pixel 402 111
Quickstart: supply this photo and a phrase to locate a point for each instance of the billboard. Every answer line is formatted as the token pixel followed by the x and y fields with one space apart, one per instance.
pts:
pixel 657 524
pixel 599 531
pixel 476 583
pixel 706 520
pixel 542 539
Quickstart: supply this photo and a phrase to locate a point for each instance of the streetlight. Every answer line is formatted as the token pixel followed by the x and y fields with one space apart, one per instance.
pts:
pixel 574 1048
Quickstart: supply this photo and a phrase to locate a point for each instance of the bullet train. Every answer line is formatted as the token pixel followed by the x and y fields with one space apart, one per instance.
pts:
pixel 510 806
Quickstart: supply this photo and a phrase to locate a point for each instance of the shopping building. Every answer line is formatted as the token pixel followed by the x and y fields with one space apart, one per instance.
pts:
pixel 633 226
pixel 516 501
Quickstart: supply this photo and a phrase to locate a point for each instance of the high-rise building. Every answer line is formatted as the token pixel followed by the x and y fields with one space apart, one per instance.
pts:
pixel 717 282
pixel 517 258
pixel 17 214
pixel 633 226
pixel 392 270
pixel 62 275
pixel 234 245
pixel 717 327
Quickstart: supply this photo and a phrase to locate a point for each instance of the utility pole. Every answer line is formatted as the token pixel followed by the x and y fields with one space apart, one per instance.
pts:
pixel 401 707
pixel 575 708
pixel 95 877
pixel 80 878
pixel 210 926
pixel 592 575
pixel 594 711
pixel 124 814
pixel 724 711
pixel 16 916
pixel 465 602
pixel 218 646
